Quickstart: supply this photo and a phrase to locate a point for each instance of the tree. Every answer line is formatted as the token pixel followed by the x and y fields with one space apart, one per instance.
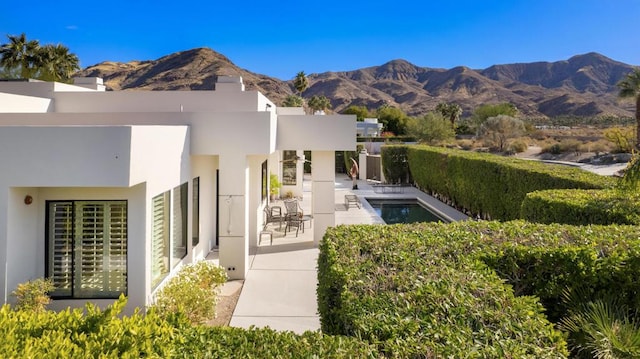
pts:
pixel 483 112
pixel 20 54
pixel 301 82
pixel 630 88
pixel 293 101
pixel 361 112
pixel 319 103
pixel 27 59
pixel 451 111
pixel 393 119
pixel 499 129
pixel 56 63
pixel 432 128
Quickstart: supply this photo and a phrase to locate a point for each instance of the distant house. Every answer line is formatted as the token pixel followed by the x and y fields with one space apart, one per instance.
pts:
pixel 109 192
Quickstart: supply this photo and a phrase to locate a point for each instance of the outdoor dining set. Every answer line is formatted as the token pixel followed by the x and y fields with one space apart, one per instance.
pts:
pixel 293 218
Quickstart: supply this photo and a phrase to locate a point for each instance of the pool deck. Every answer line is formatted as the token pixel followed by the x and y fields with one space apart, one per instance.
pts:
pixel 279 290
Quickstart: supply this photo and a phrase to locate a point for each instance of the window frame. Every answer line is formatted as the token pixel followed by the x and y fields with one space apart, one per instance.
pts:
pixel 77 293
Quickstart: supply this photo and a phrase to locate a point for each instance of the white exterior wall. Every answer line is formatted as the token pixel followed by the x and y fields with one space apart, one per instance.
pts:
pixel 72 163
pixel 316 133
pixel 19 103
pixel 160 101
pixel 136 145
pixel 205 167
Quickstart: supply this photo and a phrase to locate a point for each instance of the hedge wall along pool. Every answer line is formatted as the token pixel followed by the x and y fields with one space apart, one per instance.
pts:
pixel 437 290
pixel 489 185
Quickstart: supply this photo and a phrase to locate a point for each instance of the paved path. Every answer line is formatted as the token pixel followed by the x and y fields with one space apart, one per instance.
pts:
pixel 280 288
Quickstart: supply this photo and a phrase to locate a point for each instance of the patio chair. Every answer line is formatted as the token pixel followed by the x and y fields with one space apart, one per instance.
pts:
pixel 272 215
pixel 294 216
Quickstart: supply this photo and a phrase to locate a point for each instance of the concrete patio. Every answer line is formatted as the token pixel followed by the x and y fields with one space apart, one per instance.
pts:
pixel 280 288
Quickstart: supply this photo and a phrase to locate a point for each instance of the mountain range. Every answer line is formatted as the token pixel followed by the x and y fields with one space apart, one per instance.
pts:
pixel 584 85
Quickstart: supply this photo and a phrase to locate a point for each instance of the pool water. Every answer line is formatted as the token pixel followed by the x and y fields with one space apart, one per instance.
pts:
pixel 394 211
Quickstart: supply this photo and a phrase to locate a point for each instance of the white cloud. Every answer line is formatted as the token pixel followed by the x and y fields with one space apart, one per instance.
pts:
pixel 71 27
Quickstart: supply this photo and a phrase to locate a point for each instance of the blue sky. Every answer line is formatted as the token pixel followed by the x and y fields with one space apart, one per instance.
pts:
pixel 283 37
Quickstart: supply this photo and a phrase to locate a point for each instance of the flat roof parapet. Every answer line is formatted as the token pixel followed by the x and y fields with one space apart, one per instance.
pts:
pixel 229 83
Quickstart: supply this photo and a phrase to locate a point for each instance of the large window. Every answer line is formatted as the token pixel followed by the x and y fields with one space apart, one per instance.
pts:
pixel 86 248
pixel 169 232
pixel 289 164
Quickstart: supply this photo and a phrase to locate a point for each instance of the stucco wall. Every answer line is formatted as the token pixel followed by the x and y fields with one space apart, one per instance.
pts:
pixel 19 103
pixel 316 133
pixel 25 241
pixel 159 101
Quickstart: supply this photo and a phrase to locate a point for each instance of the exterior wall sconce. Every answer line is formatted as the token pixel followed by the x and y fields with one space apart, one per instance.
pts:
pixel 28 200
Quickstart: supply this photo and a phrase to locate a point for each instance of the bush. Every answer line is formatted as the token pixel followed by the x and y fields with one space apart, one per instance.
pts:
pixel 418 291
pixel 192 292
pixel 437 290
pixel 395 164
pixel 602 328
pixel 622 138
pixel 96 333
pixel 582 207
pixel 32 296
pixel 518 146
pixel 487 185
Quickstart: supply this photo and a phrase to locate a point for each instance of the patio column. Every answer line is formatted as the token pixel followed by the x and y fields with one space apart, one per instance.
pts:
pixel 233 223
pixel 323 176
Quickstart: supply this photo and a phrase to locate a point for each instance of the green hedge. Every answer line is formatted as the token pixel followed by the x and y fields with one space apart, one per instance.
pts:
pixel 487 185
pixel 582 207
pixel 104 334
pixel 437 290
pixel 395 164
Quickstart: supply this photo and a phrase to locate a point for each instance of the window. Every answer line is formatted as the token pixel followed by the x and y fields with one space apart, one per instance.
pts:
pixel 195 202
pixel 179 247
pixel 169 232
pixel 289 165
pixel 160 238
pixel 86 248
pixel 265 179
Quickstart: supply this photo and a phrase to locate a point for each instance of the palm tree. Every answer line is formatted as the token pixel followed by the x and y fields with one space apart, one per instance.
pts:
pixel 20 54
pixel 293 101
pixel 630 88
pixel 301 82
pixel 319 103
pixel 56 63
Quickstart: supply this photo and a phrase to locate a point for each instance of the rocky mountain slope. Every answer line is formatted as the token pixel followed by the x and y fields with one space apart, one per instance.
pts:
pixel 583 85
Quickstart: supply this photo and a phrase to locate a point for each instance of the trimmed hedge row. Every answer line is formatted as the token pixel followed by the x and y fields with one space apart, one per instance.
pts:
pixel 582 207
pixel 102 334
pixel 488 185
pixel 437 290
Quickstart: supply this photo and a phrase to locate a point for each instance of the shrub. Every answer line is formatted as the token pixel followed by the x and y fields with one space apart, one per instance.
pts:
pixel 395 163
pixel 602 329
pixel 96 333
pixel 488 185
pixel 416 289
pixel 622 138
pixel 193 291
pixel 582 207
pixel 518 146
pixel 32 296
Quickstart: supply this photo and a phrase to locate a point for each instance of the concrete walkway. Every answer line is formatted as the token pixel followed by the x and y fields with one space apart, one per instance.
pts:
pixel 280 288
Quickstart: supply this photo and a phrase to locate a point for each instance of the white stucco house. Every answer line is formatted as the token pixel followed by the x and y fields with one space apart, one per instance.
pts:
pixel 109 192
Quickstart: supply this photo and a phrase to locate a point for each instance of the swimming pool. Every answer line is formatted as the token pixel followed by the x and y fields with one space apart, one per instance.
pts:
pixel 403 211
